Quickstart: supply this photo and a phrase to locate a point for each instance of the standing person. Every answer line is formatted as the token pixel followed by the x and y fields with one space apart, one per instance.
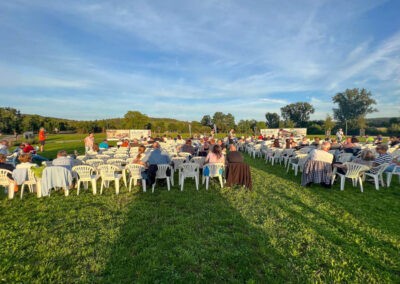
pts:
pixel 42 138
pixel 89 142
pixel 339 135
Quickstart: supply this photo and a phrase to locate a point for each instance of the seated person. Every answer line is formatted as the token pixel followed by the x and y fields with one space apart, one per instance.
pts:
pixel 317 142
pixel 366 158
pixel 28 148
pixel 187 147
pixel 140 156
pixel 317 168
pixel 156 157
pixel 378 140
pixel 335 145
pixel 383 157
pixel 63 160
pixel 348 144
pixel 4 147
pixel 276 144
pixel 25 161
pixel 215 155
pixel 104 145
pixel 8 167
pixel 234 156
pixel 125 143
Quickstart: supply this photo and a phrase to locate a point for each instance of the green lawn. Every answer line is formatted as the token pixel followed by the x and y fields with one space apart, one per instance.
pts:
pixel 279 232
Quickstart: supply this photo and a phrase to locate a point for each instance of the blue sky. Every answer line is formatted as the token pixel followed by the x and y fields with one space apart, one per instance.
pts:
pixel 184 59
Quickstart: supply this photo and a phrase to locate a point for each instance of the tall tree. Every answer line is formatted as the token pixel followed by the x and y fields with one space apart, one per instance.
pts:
pixel 353 103
pixel 224 122
pixel 299 112
pixel 272 119
pixel 136 120
pixel 329 124
pixel 206 121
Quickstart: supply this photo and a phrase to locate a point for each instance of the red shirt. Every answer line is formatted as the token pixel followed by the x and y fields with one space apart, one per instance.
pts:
pixel 28 149
pixel 42 135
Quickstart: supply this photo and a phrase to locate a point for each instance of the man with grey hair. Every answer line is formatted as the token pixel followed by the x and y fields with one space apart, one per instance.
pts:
pixel 156 157
pixel 322 155
pixel 63 160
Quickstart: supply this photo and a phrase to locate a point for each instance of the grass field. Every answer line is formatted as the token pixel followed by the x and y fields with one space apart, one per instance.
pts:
pixel 279 232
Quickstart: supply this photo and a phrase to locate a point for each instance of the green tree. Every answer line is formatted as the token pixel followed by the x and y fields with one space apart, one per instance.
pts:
pixel 299 113
pixel 206 121
pixel 136 120
pixel 329 124
pixel 224 122
pixel 272 119
pixel 353 103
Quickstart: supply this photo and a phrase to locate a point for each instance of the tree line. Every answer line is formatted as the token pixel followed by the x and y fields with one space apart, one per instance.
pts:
pixel 351 108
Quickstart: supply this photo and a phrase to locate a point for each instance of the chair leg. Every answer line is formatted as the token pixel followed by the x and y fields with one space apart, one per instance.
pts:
pixel 361 184
pixel 117 186
pixel 130 184
pixel 22 190
pixel 78 187
pixel 86 184
pixel 221 181
pixel 101 187
pixel 168 185
pixel 196 179
pixel 182 182
pixel 376 181
pixel 342 179
pixel 388 179
pixel 153 186
pixel 207 181
pixel 381 179
pixel 94 186
pixel 144 185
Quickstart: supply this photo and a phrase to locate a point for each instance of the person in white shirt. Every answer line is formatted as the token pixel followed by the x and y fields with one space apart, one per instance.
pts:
pixel 63 160
pixel 322 155
pixel 25 161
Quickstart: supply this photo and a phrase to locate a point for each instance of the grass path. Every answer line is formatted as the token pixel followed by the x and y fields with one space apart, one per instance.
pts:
pixel 279 232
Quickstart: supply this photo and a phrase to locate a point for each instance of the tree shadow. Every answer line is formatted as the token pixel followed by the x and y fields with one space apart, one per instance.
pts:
pixel 190 236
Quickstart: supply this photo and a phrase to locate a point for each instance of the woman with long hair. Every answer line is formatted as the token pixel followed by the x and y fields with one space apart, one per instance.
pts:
pixel 215 155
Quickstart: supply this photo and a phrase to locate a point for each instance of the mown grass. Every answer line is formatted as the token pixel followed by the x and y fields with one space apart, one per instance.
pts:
pixel 279 232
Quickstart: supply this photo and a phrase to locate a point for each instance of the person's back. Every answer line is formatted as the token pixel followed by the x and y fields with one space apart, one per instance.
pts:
pixel 321 155
pixel 156 157
pixel 234 157
pixel 63 161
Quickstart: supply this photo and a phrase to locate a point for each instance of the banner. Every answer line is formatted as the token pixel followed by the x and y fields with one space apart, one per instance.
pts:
pixel 139 133
pixel 117 134
pixel 285 132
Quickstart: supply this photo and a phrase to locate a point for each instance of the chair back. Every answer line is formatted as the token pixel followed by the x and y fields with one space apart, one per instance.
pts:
pixel 213 169
pixel 162 170
pixel 135 170
pixel 198 160
pixel 107 172
pixel 381 168
pixel 83 171
pixel 94 162
pixel 178 161
pixel 103 157
pixel 116 162
pixel 345 157
pixel 189 169
pixel 354 170
pixel 4 177
pixel 121 156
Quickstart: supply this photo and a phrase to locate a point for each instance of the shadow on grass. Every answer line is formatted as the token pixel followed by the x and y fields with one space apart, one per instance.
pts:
pixel 361 230
pixel 189 237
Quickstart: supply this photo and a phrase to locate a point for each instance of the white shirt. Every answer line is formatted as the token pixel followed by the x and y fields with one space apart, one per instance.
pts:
pixel 321 155
pixel 26 165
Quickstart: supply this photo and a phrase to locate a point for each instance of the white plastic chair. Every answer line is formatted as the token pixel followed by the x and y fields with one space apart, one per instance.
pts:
pixel 162 174
pixel 121 156
pixel 135 173
pixel 301 160
pixel 178 161
pixel 120 163
pixel 277 156
pixel 199 161
pixel 103 157
pixel 390 175
pixel 189 170
pixel 30 182
pixel 378 176
pixel 344 157
pixel 6 182
pixel 213 170
pixel 85 175
pixel 95 163
pixel 109 173
pixel 354 172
